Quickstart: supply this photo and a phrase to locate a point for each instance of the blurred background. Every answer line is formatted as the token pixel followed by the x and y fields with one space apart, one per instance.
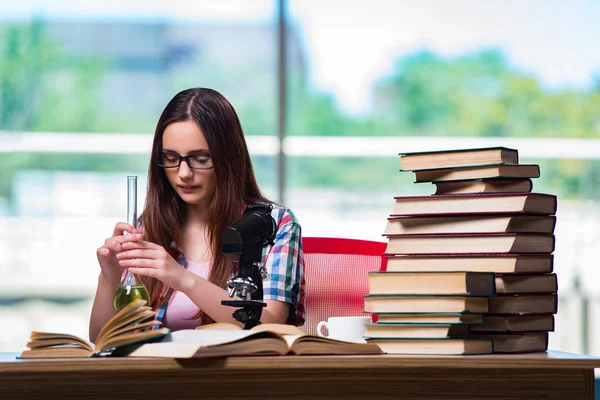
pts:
pixel 328 92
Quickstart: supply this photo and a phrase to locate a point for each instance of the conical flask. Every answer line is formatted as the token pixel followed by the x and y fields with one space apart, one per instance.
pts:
pixel 131 287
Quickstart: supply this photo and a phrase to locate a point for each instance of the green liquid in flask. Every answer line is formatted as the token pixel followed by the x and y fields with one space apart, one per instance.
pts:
pixel 131 287
pixel 125 295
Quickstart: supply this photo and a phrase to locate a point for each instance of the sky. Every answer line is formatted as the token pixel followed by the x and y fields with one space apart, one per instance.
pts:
pixel 350 44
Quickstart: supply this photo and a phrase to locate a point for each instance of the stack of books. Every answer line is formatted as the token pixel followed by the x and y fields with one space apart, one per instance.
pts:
pixel 469 268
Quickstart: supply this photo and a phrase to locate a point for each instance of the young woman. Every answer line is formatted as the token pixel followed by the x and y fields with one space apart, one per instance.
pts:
pixel 200 181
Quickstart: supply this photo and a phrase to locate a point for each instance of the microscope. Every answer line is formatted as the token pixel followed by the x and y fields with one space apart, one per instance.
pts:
pixel 243 244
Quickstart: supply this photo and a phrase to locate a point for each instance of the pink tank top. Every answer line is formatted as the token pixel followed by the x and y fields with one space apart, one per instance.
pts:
pixel 181 309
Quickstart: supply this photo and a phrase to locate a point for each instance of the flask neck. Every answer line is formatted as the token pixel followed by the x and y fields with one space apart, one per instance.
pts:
pixel 130 279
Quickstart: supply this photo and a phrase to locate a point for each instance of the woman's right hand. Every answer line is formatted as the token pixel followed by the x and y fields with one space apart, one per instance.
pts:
pixel 111 270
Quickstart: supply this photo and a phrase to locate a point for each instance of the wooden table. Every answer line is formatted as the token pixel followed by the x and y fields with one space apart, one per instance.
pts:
pixel 552 375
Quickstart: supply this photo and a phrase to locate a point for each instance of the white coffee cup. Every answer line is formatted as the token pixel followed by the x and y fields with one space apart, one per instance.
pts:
pixel 349 329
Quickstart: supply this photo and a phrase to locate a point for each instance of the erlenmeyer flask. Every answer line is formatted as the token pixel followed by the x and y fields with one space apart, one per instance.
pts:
pixel 131 287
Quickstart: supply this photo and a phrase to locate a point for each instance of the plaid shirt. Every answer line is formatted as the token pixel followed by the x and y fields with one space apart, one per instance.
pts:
pixel 285 265
pixel 284 262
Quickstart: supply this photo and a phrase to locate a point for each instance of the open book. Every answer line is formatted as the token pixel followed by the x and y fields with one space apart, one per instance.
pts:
pixel 130 325
pixel 226 340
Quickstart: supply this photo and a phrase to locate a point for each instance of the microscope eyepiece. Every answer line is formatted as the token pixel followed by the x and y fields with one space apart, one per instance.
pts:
pixel 250 234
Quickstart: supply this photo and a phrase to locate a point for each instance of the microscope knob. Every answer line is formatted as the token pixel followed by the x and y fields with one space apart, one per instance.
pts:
pixel 232 291
pixel 263 272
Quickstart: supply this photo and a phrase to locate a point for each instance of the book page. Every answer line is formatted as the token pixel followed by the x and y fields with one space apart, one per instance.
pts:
pixel 290 339
pixel 189 343
pixel 48 339
pixel 133 328
pixel 208 337
pixel 307 344
pixel 66 351
pixel 116 321
pixel 220 326
pixel 283 329
pixel 131 338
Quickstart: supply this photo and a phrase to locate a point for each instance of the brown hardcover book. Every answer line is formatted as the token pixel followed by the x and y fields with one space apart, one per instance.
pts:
pixel 429 318
pixel 129 326
pixel 492 185
pixel 470 224
pixel 383 303
pixel 448 283
pixel 433 346
pixel 523 304
pixel 458 158
pixel 515 284
pixel 515 323
pixel 484 203
pixel 416 331
pixel 471 243
pixel 502 263
pixel 529 342
pixel 480 172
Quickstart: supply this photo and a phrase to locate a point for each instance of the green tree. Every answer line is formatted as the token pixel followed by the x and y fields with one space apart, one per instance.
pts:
pixel 481 95
pixel 43 90
pixel 25 55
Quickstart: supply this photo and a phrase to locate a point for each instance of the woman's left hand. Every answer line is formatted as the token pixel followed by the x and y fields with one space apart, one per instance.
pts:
pixel 149 259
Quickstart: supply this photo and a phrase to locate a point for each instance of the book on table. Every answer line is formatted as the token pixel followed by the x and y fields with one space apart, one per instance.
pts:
pixel 491 185
pixel 524 342
pixel 458 283
pixel 420 304
pixel 515 323
pixel 487 223
pixel 133 324
pixel 480 172
pixel 429 318
pixel 506 263
pixel 524 284
pixel 470 243
pixel 456 158
pixel 441 346
pixel 229 340
pixel 481 203
pixel 419 331
pixel 523 303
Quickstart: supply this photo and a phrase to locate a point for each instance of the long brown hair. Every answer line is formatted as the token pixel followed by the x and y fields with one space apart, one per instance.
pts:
pixel 165 212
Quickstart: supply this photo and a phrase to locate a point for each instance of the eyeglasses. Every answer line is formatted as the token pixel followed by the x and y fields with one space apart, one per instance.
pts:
pixel 168 160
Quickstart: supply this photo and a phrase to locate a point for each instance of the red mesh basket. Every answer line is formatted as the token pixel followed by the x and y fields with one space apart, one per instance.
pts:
pixel 336 273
